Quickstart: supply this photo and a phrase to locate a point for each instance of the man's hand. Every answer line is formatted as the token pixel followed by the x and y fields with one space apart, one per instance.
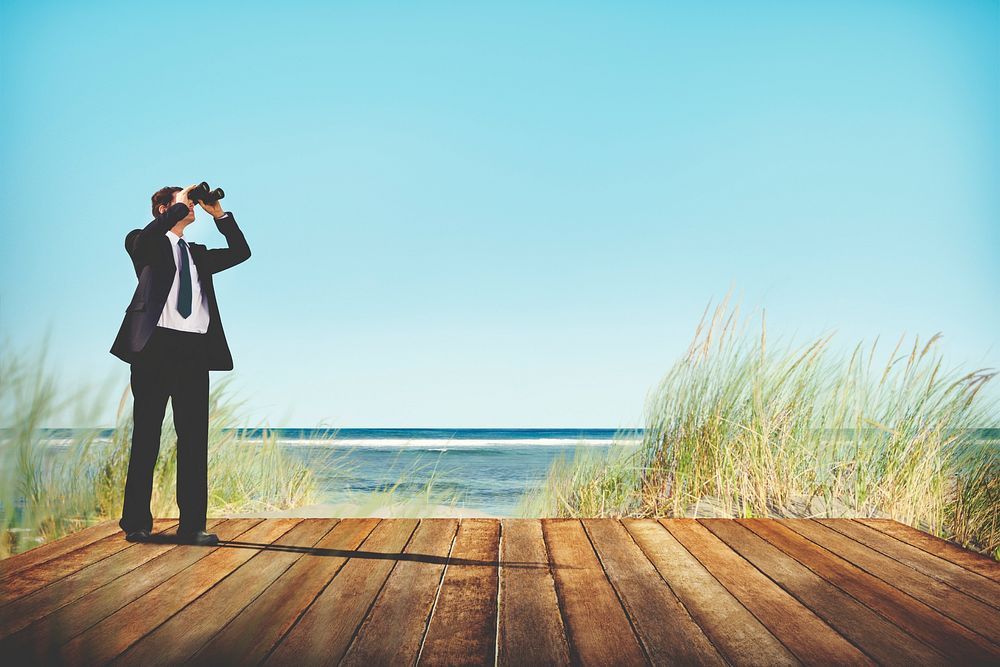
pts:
pixel 181 197
pixel 214 208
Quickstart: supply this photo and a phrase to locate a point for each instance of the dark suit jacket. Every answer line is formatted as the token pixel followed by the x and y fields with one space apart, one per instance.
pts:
pixel 153 259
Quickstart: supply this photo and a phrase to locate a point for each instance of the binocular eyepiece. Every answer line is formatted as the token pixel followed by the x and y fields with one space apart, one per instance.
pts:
pixel 204 193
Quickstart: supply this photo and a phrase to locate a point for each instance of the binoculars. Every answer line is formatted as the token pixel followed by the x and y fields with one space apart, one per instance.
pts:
pixel 204 193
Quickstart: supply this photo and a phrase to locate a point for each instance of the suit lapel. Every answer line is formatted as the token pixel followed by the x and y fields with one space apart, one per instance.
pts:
pixel 198 258
pixel 168 252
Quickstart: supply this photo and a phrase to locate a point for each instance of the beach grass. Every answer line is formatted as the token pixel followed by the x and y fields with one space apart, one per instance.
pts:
pixel 399 498
pixel 593 482
pixel 50 490
pixel 744 427
pixel 414 490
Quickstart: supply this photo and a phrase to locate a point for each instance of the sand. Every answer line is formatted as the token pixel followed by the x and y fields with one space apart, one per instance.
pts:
pixel 383 510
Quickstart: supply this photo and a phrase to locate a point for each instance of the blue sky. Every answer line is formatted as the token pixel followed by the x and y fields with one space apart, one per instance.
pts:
pixel 508 214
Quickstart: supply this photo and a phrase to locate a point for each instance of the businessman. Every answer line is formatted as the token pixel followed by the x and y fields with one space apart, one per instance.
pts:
pixel 172 336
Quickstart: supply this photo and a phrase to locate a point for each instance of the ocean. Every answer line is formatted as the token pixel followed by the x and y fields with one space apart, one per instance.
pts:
pixel 486 470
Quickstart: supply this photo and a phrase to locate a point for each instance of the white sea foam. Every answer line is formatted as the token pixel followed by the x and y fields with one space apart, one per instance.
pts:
pixel 66 442
pixel 441 444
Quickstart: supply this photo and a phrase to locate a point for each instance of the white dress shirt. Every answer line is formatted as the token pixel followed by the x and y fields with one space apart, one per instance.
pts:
pixel 198 320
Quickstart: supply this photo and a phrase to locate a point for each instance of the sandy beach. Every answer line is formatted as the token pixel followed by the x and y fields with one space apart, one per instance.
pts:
pixel 383 510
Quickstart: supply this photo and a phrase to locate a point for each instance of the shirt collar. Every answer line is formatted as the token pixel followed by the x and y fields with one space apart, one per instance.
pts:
pixel 173 237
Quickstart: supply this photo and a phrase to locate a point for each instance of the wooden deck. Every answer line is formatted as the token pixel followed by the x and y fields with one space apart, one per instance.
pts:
pixel 507 591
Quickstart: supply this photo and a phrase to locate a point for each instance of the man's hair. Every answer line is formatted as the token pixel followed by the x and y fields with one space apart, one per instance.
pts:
pixel 163 196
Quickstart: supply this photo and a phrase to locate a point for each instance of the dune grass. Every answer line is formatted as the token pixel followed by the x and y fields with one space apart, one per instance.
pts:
pixel 594 482
pixel 405 497
pixel 741 427
pixel 49 490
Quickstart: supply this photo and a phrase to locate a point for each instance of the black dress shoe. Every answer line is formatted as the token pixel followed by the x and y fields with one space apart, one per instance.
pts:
pixel 199 538
pixel 141 535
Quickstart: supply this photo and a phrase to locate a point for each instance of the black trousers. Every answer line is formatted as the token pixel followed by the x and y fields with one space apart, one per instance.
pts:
pixel 172 365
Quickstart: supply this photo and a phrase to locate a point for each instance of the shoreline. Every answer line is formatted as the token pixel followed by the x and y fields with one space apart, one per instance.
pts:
pixel 382 510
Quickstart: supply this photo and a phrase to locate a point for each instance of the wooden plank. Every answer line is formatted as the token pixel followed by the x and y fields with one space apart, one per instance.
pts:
pixel 56 548
pixel 970 560
pixel 462 629
pixel 116 633
pixel 44 636
pixel 23 611
pixel 187 631
pixel 326 629
pixel 598 630
pixel 830 555
pixel 555 591
pixel 530 628
pixel 249 638
pixel 972 584
pixel 805 634
pixel 663 625
pixel 30 579
pixel 968 611
pixel 882 641
pixel 735 632
pixel 392 631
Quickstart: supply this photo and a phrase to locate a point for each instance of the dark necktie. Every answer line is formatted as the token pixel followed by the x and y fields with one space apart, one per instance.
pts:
pixel 184 293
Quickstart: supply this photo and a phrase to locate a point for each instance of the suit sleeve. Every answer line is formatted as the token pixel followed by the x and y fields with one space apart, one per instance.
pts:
pixel 220 259
pixel 139 243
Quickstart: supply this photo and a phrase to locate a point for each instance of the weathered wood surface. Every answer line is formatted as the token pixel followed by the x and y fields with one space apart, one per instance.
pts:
pixel 504 592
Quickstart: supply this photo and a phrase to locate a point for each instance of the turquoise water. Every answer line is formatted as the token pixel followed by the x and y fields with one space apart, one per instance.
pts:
pixel 488 469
